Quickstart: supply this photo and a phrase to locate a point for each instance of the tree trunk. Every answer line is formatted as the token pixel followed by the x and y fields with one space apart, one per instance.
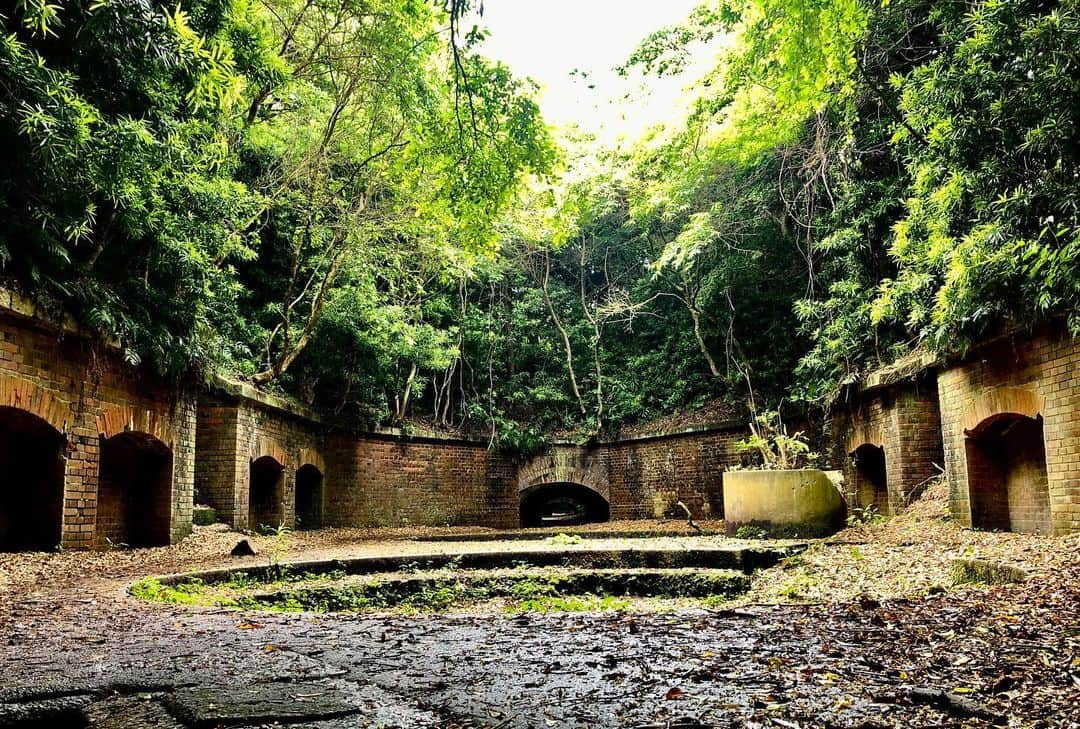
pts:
pixel 562 331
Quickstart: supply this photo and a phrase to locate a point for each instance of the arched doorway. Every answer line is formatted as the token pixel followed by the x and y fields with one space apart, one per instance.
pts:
pixel 31 482
pixel 266 494
pixel 309 497
pixel 134 504
pixel 871 482
pixel 562 504
pixel 1006 467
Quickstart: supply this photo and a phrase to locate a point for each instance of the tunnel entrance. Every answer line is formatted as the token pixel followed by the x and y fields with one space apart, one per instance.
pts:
pixel 309 497
pixel 266 493
pixel 31 482
pixel 562 504
pixel 871 483
pixel 1006 460
pixel 134 502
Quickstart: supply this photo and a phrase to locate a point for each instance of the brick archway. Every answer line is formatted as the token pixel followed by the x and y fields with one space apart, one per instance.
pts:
pixel 1007 477
pixel 565 466
pixel 135 487
pixel 266 493
pixel 27 396
pixel 32 471
pixel 116 420
pixel 998 401
pixel 870 470
pixel 309 497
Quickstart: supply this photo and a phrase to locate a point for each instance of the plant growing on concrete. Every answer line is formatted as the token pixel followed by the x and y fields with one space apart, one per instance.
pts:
pixel 772 447
pixel 278 547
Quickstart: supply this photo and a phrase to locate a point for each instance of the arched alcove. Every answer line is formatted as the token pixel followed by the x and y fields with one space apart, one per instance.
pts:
pixel 871 482
pixel 31 482
pixel 266 494
pixel 1006 468
pixel 134 501
pixel 309 497
pixel 562 504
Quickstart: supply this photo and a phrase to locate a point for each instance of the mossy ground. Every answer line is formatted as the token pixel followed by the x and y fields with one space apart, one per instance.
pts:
pixel 521 589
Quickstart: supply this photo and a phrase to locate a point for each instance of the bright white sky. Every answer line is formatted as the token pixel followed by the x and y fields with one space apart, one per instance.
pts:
pixel 547 40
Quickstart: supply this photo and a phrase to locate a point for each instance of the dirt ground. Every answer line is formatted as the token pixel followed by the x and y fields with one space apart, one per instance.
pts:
pixel 864 629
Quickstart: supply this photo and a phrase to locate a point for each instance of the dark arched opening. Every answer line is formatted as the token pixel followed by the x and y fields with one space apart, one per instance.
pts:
pixel 31 482
pixel 309 497
pixel 871 483
pixel 562 504
pixel 1006 465
pixel 134 504
pixel 266 492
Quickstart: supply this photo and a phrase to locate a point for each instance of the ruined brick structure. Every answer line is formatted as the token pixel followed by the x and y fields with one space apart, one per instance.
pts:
pixel 95 452
pixel 887 440
pixel 644 476
pixel 92 450
pixel 252 450
pixel 1010 415
pixel 1003 421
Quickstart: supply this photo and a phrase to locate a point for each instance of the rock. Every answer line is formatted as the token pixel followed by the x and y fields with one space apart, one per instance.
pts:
pixel 203 515
pixel 208 706
pixel 984 572
pixel 243 548
pixel 58 711
pixel 129 712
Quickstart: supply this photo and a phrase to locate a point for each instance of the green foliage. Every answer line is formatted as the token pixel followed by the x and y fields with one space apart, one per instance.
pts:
pixel 331 200
pixel 189 592
pixel 563 540
pixel 859 515
pixel 751 531
pixel 771 447
pixel 983 572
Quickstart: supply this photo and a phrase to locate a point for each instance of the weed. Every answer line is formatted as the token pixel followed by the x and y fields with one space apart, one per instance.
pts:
pixel 859 515
pixel 751 531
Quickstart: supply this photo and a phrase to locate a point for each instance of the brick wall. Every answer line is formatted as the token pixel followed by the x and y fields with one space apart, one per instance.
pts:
pixel 386 481
pixel 998 406
pixel 900 422
pixel 237 437
pixel 87 395
pixel 86 406
pixel 650 475
pixel 383 481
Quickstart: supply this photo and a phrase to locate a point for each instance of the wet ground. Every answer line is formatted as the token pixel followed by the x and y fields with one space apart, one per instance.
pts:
pixel 84 653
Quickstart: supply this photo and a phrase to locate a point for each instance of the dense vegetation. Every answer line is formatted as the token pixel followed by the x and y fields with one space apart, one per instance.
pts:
pixel 343 200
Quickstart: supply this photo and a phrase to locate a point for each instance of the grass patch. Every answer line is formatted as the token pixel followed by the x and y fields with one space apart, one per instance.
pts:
pixel 562 539
pixel 192 592
pixel 521 591
pixel 569 604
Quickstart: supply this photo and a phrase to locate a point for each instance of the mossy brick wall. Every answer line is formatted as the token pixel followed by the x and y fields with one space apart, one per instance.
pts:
pixel 234 432
pixel 1033 376
pixel 387 481
pixel 88 394
pixel 905 420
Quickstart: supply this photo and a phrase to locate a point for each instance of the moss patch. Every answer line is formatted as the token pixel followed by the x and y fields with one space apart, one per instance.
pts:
pixel 524 589
pixel 983 572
